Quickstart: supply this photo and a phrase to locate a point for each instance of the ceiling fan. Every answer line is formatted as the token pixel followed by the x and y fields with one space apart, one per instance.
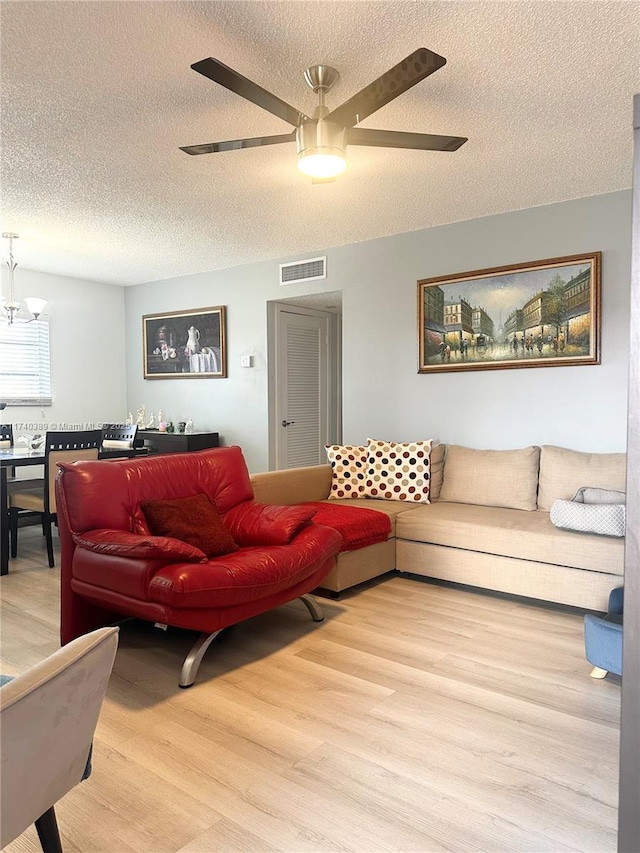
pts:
pixel 322 138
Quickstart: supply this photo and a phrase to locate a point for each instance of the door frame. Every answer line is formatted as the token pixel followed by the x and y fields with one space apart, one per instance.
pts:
pixel 334 370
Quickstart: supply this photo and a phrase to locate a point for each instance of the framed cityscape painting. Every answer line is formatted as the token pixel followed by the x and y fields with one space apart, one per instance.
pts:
pixel 538 314
pixel 185 344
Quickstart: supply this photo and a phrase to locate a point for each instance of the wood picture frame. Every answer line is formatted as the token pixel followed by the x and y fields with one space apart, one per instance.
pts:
pixel 185 344
pixel 538 314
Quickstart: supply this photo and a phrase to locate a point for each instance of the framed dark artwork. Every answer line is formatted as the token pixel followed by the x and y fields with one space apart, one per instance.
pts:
pixel 185 344
pixel 539 314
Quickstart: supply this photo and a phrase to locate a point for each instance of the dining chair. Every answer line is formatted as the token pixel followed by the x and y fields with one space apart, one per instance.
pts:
pixel 6 441
pixel 13 482
pixel 67 446
pixel 118 437
pixel 48 716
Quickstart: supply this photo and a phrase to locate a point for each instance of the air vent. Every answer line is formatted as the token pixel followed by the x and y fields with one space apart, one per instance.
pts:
pixel 303 270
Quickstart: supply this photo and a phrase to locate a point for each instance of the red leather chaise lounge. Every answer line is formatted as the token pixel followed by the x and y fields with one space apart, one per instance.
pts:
pixel 113 567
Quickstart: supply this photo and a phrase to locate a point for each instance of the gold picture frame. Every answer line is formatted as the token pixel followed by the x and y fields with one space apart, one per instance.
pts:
pixel 185 344
pixel 538 314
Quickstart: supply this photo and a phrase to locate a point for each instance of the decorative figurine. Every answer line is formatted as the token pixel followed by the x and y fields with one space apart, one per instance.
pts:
pixel 188 427
pixel 140 417
pixel 151 424
pixel 129 420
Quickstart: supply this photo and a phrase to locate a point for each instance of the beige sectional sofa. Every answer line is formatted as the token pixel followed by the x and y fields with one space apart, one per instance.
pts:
pixel 487 524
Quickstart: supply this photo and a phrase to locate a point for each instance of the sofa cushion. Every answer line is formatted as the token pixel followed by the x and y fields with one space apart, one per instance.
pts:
pixel 398 471
pixel 436 470
pixel 252 523
pixel 348 469
pixel 510 533
pixel 391 509
pixel 249 574
pixel 194 520
pixel 500 478
pixel 358 527
pixel 563 472
pixel 119 543
pixel 219 473
pixel 292 485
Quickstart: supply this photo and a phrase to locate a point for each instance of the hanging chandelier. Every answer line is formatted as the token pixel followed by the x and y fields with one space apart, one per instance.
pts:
pixel 10 308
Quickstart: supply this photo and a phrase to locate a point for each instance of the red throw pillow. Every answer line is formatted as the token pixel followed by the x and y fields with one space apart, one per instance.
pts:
pixel 193 520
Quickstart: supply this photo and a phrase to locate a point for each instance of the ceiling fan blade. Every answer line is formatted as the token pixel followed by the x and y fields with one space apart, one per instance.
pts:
pixel 401 139
pixel 235 82
pixel 235 144
pixel 394 82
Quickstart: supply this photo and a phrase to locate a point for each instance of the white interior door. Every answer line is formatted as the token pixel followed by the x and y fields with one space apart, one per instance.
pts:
pixel 301 412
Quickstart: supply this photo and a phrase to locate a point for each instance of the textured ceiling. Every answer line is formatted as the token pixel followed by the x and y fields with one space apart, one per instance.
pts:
pixel 97 97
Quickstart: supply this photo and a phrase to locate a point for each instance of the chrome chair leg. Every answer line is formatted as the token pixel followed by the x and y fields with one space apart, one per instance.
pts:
pixel 313 607
pixel 194 658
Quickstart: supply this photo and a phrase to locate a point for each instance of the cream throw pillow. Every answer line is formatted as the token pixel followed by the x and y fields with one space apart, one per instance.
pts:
pixel 398 472
pixel 507 478
pixel 348 469
pixel 563 472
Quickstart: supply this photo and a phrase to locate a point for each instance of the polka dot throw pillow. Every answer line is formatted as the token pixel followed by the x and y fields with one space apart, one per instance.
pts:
pixel 398 472
pixel 348 468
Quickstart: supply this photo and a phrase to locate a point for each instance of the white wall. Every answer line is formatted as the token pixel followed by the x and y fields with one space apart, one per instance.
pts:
pixel 581 407
pixel 383 396
pixel 87 353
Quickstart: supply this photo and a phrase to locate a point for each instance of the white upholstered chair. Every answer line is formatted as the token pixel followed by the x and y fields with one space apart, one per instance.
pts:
pixel 47 719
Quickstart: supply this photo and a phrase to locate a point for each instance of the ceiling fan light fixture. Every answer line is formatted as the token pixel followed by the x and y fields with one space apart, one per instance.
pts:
pixel 322 162
pixel 321 149
pixel 321 139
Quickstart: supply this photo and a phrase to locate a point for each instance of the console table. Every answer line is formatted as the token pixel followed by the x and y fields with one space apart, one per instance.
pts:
pixel 175 442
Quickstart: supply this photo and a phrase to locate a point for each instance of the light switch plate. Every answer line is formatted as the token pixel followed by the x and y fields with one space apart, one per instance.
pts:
pixel 246 361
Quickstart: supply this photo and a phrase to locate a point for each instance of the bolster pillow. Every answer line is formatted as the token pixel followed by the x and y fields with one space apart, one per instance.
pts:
pixel 591 510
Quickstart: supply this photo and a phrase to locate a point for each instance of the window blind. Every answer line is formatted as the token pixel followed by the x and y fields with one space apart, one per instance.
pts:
pixel 25 364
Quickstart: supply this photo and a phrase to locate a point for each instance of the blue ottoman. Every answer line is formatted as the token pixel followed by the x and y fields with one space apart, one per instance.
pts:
pixel 603 638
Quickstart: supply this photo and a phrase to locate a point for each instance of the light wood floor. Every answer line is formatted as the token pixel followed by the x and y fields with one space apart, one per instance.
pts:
pixel 415 718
